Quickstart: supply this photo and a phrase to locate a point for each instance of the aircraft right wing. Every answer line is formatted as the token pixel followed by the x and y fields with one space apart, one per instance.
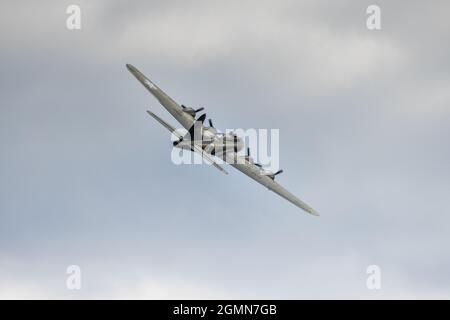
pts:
pixel 254 172
pixel 167 102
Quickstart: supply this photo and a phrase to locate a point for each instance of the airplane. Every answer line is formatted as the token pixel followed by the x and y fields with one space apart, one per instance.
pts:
pixel 211 144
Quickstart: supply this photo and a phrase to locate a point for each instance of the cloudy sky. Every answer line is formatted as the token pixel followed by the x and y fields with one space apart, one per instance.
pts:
pixel 86 176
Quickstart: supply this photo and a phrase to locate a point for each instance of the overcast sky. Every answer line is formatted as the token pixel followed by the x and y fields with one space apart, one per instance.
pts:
pixel 86 176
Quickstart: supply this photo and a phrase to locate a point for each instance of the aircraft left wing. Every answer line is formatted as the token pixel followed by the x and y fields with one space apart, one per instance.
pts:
pixel 195 146
pixel 254 172
pixel 167 102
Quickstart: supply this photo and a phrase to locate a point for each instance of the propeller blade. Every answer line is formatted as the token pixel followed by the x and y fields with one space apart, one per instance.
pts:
pixel 202 118
pixel 211 123
pixel 183 106
pixel 278 172
pixel 199 109
pixel 248 152
pixel 192 129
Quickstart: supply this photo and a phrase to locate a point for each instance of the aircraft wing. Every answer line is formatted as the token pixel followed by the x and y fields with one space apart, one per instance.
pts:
pixel 167 102
pixel 254 172
pixel 197 148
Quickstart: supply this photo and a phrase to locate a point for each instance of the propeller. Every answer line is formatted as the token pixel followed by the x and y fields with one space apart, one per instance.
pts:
pixel 200 119
pixel 272 176
pixel 190 110
pixel 210 123
pixel 251 160
pixel 278 172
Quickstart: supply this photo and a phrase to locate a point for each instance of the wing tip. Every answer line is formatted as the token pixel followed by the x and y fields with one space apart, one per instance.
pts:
pixel 221 169
pixel 314 213
pixel 131 68
pixel 308 209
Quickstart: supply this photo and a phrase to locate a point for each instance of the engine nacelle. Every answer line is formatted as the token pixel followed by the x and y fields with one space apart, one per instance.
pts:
pixel 191 111
pixel 271 174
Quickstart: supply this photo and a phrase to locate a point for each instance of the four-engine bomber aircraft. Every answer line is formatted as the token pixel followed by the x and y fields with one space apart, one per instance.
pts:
pixel 209 143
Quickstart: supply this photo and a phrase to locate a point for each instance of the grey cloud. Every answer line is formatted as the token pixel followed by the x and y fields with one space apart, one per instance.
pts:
pixel 87 177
